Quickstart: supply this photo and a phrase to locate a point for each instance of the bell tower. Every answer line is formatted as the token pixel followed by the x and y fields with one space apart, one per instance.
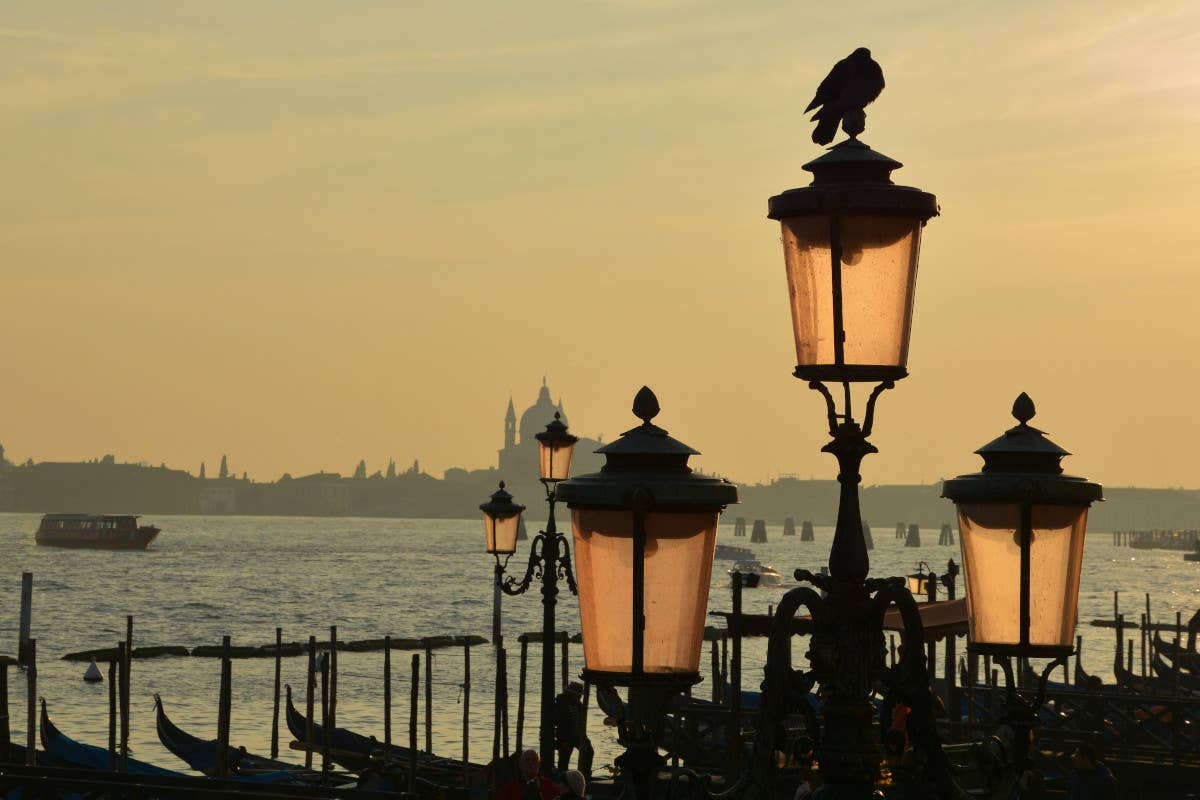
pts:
pixel 510 426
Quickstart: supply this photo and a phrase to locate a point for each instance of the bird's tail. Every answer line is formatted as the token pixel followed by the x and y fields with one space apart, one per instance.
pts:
pixel 826 129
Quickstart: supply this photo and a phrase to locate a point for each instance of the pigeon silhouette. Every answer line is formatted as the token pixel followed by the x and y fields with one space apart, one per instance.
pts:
pixel 849 87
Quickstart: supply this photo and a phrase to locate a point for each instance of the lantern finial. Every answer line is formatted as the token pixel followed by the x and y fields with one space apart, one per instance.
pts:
pixel 645 405
pixel 1023 408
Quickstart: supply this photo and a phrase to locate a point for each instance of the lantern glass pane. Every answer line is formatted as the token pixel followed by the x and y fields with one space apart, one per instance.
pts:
pixel 878 278
pixel 500 533
pixel 554 461
pixel 1055 563
pixel 992 565
pixel 679 555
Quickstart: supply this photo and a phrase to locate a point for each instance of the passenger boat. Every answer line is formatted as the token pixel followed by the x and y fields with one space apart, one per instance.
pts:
pixel 733 553
pixel 756 574
pixel 97 531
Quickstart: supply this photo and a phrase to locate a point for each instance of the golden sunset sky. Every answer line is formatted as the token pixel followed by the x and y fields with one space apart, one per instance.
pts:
pixel 305 233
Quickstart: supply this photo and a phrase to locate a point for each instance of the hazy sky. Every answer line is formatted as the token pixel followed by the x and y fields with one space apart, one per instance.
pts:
pixel 305 233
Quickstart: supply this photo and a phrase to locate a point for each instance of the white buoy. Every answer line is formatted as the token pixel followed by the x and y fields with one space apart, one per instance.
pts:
pixel 93 673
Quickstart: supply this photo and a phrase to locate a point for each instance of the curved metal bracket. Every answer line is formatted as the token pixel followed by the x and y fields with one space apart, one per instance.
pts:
pixel 784 689
pixel 830 407
pixel 533 569
pixel 564 564
pixel 869 419
pixel 910 685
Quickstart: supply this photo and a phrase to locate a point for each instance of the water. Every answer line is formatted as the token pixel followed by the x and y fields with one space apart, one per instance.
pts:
pixel 206 577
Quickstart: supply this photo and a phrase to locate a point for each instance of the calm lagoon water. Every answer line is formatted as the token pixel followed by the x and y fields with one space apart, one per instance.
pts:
pixel 209 576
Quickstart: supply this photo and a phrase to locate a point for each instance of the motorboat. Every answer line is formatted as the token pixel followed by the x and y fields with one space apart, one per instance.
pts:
pixel 756 573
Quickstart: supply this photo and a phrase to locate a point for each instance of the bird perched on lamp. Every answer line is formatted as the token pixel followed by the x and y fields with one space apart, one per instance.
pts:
pixel 852 84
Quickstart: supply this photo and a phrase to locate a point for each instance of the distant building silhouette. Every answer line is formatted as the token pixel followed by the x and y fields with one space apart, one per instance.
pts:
pixel 224 471
pixel 518 459
pixel 202 476
pixel 360 472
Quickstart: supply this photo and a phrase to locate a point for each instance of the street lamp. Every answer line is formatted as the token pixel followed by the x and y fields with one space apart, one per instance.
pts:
pixel 1021 528
pixel 922 581
pixel 925 581
pixel 645 530
pixel 549 559
pixel 851 242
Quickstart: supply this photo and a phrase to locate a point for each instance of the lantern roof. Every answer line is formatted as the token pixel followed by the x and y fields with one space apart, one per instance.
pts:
pixel 556 433
pixel 501 505
pixel 649 458
pixel 1022 465
pixel 854 179
pixel 1022 445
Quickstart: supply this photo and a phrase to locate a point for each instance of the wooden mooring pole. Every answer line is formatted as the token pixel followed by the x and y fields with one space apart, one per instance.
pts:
pixel 429 699
pixel 224 710
pixel 31 701
pixel 412 724
pixel 112 715
pixel 311 690
pixel 26 617
pixel 275 711
pixel 326 764
pixel 387 692
pixel 123 657
pixel 466 726
pixel 333 680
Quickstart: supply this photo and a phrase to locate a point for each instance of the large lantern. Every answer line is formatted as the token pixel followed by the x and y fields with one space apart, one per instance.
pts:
pixel 555 447
pixel 501 522
pixel 851 241
pixel 645 532
pixel 1021 528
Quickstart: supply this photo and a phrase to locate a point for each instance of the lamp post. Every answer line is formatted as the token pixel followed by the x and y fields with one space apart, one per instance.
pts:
pixel 1021 528
pixel 851 240
pixel 645 530
pixel 549 559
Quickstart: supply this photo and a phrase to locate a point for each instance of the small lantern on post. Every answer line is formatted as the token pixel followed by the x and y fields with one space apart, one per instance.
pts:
pixel 920 581
pixel 555 447
pixel 1021 528
pixel 645 531
pixel 501 521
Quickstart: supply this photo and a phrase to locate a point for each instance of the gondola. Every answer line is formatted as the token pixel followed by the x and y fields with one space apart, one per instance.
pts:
pixel 75 754
pixel 86 756
pixel 201 754
pixel 1178 655
pixel 1188 684
pixel 357 753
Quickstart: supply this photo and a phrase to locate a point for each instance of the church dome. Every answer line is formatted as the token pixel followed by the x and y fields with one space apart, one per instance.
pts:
pixel 538 416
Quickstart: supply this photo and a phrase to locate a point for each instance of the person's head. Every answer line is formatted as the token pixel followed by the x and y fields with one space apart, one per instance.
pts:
pixel 529 763
pixel 1084 757
pixel 575 688
pixel 575 782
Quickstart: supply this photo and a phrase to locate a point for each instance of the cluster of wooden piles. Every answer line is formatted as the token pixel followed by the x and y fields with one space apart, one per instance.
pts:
pixel 365 761
pixel 1158 539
